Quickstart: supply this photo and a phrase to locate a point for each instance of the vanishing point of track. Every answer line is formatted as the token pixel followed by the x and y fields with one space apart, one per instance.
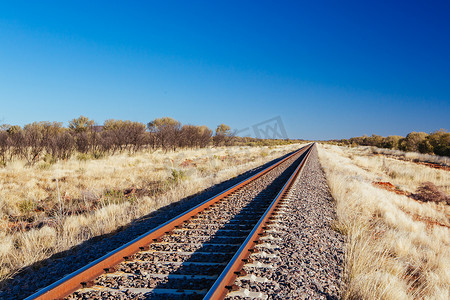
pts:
pixel 196 255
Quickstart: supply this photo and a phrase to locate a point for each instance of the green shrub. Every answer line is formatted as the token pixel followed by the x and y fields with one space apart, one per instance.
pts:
pixel 178 175
pixel 83 156
pixel 26 206
pixel 437 142
pixel 48 158
pixel 43 166
pixel 117 197
pixel 425 147
pixel 97 155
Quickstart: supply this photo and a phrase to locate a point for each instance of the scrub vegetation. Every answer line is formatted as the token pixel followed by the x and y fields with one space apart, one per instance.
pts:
pixel 395 215
pixel 437 142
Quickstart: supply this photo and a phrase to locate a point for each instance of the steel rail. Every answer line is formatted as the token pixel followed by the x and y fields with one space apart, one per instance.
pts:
pixel 83 276
pixel 223 284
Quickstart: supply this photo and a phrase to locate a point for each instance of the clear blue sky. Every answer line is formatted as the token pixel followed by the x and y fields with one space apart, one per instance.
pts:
pixel 329 69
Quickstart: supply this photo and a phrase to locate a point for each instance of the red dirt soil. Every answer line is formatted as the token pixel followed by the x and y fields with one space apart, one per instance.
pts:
pixel 429 222
pixel 389 187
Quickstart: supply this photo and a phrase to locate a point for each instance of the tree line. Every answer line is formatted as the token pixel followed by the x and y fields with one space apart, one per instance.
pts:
pixel 437 142
pixel 52 141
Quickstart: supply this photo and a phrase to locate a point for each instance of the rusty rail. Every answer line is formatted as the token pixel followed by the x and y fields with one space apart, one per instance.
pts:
pixel 85 275
pixel 224 282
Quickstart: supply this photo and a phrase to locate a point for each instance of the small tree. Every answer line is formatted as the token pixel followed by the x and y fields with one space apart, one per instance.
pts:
pixel 4 146
pixel 81 129
pixel 204 136
pixel 412 141
pixel 440 141
pixel 223 134
pixel 16 141
pixel 392 142
pixel 166 132
pixel 80 124
pixel 33 138
pixel 195 136
pixel 61 145
pixel 425 147
pixel 125 134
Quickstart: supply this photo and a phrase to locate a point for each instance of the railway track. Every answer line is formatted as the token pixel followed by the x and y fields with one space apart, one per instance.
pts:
pixel 197 255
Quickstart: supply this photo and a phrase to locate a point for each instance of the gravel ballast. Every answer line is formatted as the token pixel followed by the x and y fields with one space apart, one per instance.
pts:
pixel 310 255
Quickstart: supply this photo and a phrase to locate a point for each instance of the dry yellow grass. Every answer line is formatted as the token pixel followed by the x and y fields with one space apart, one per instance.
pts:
pixel 397 248
pixel 404 174
pixel 411 155
pixel 66 185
